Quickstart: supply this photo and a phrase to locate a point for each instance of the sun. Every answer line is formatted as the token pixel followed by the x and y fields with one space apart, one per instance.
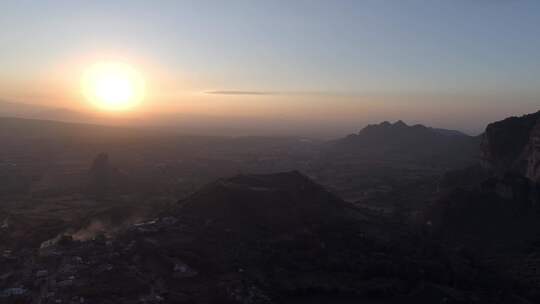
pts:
pixel 113 86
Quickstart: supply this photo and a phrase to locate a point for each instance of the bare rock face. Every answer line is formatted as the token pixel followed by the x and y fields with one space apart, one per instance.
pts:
pixel 513 146
pixel 533 154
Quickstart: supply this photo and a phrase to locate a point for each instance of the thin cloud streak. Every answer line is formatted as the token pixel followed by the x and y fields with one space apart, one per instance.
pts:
pixel 288 93
pixel 234 92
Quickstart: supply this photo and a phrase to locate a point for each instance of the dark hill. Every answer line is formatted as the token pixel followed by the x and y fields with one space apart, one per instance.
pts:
pixel 276 202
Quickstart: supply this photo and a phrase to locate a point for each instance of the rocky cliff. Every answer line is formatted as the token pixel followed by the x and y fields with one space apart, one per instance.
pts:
pixel 513 146
pixel 532 153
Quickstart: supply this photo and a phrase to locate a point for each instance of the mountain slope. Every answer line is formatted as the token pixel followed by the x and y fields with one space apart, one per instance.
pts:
pixel 368 167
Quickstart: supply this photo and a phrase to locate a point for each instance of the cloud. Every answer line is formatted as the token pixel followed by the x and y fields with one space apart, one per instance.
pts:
pixel 288 93
pixel 235 92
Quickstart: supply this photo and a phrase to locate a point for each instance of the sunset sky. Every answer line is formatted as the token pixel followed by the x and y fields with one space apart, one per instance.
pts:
pixel 455 64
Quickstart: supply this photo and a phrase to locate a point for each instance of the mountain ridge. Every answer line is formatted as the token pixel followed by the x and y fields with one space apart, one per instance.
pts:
pixel 416 142
pixel 401 125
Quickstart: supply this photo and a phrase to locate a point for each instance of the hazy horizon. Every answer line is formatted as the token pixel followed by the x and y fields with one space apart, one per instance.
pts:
pixel 257 125
pixel 304 68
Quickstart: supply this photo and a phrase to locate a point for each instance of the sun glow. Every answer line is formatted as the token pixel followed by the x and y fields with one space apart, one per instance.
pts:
pixel 113 86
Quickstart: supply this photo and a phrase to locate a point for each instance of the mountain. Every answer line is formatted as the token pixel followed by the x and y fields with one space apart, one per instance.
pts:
pixel 403 141
pixel 400 128
pixel 368 167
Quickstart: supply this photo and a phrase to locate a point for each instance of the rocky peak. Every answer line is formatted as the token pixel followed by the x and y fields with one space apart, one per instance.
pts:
pixel 385 125
pixel 400 124
pixel 401 128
